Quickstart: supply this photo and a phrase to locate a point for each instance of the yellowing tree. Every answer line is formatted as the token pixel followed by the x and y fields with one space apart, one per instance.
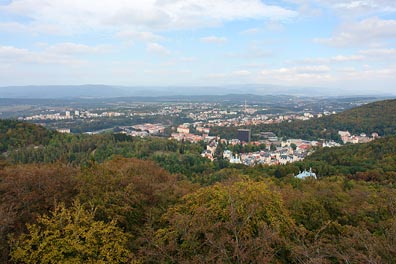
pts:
pixel 243 222
pixel 71 236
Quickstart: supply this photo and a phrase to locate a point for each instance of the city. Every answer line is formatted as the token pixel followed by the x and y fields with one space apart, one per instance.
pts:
pixel 193 122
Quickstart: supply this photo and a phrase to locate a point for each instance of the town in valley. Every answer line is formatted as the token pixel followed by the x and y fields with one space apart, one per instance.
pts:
pixel 194 119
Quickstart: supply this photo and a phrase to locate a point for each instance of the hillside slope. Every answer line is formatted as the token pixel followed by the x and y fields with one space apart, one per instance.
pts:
pixel 14 134
pixel 373 161
pixel 377 117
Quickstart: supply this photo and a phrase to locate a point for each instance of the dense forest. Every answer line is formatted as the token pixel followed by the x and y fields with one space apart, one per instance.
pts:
pixel 132 211
pixel 115 199
pixel 14 134
pixel 376 117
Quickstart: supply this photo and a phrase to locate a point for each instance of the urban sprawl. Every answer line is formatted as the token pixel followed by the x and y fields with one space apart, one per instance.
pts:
pixel 272 149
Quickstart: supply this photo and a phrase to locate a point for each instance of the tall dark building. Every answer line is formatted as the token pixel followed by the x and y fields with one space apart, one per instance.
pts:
pixel 244 135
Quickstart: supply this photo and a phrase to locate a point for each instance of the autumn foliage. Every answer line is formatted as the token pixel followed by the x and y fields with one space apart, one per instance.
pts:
pixel 80 200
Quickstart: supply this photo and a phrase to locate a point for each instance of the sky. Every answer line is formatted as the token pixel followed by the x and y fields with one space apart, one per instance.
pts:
pixel 347 45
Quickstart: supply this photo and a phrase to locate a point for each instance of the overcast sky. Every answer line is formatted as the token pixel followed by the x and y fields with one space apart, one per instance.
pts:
pixel 347 44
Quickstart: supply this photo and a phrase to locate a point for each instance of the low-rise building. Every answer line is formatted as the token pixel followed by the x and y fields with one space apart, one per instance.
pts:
pixel 306 174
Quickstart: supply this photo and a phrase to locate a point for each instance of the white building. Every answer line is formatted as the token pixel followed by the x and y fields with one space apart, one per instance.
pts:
pixel 306 174
pixel 64 130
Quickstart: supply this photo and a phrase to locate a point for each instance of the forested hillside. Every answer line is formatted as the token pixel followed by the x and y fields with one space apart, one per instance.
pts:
pixel 376 117
pixel 116 199
pixel 14 134
pixel 371 161
pixel 375 161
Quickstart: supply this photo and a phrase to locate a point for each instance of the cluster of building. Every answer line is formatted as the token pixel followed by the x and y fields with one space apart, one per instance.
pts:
pixel 183 133
pixel 210 148
pixel 273 150
pixel 330 144
pixel 248 120
pixel 55 116
pixel 70 115
pixel 203 116
pixel 187 137
pixel 212 115
pixel 144 130
pixel 346 137
pixel 288 151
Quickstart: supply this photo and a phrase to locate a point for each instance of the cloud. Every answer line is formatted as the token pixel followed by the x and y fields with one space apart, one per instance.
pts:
pixel 355 4
pixel 216 76
pixel 59 54
pixel 304 74
pixel 79 16
pixel 250 31
pixel 213 39
pixel 241 73
pixel 76 48
pixel 334 59
pixel 13 27
pixel 253 51
pixel 368 74
pixel 32 28
pixel 364 6
pixel 10 53
pixel 364 77
pixel 378 53
pixel 368 31
pixel 345 8
pixel 271 25
pixel 187 59
pixel 312 69
pixel 274 26
pixel 157 49
pixel 342 58
pixel 132 35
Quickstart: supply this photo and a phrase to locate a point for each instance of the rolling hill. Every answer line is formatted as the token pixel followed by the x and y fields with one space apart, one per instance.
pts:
pixel 379 117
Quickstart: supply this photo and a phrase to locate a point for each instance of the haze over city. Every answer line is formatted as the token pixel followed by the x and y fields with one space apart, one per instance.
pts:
pixel 340 46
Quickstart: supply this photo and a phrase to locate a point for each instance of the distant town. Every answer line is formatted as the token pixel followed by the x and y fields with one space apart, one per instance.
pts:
pixel 193 122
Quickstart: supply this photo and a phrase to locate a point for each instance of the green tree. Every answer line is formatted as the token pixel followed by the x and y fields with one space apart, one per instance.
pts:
pixel 272 147
pixel 71 236
pixel 293 146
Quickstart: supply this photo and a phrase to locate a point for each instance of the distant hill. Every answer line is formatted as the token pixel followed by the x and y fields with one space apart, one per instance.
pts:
pixel 113 91
pixel 379 117
pixel 172 92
